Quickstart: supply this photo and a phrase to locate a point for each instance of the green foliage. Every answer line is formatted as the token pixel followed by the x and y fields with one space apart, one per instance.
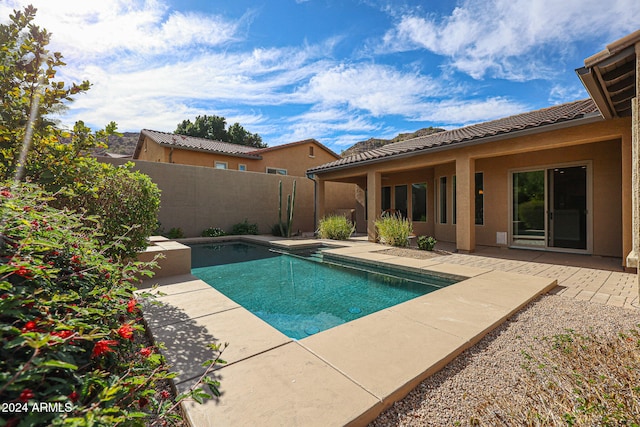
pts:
pixel 58 160
pixel 426 243
pixel 244 228
pixel 335 227
pixel 214 127
pixel 68 315
pixel 68 319
pixel 27 71
pixel 175 233
pixel 532 214
pixel 394 230
pixel 125 201
pixel 213 232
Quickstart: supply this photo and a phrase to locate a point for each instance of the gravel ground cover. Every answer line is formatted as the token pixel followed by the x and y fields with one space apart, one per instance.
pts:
pixel 492 370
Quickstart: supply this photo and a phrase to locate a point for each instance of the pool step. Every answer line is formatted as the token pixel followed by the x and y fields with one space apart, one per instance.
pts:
pixel 307 254
pixel 315 256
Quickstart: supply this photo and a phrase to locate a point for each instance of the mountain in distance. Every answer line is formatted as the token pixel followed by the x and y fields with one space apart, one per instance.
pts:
pixel 373 143
pixel 125 144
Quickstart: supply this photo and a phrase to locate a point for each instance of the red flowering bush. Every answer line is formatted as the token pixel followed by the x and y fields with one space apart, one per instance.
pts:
pixel 68 318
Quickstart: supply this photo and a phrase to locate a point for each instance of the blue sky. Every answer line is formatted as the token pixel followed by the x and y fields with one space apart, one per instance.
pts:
pixel 338 71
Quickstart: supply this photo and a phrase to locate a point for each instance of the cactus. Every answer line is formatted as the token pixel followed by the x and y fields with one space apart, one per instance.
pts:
pixel 290 204
pixel 280 208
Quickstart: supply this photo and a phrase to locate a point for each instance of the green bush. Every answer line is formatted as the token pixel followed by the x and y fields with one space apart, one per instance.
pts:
pixel 532 214
pixel 126 202
pixel 335 227
pixel 426 243
pixel 69 318
pixel 244 228
pixel 394 230
pixel 213 232
pixel 175 233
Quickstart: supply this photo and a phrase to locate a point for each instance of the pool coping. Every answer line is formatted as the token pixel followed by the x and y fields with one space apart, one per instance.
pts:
pixel 346 375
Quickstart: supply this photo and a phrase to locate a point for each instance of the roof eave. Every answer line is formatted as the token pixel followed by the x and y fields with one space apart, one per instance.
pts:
pixel 586 119
pixel 204 150
pixel 592 85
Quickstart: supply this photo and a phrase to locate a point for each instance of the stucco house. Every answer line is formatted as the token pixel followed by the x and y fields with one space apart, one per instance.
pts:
pixel 287 159
pixel 555 179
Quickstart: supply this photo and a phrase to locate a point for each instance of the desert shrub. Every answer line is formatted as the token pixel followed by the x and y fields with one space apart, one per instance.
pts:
pixel 394 230
pixel 426 243
pixel 244 228
pixel 175 233
pixel 213 232
pixel 335 227
pixel 575 380
pixel 69 319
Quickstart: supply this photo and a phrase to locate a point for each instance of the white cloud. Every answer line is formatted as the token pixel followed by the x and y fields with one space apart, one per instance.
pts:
pixel 152 67
pixel 465 112
pixel 378 89
pixel 88 29
pixel 511 38
pixel 561 93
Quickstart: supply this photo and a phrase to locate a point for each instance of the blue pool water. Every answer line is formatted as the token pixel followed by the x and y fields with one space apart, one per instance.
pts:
pixel 299 296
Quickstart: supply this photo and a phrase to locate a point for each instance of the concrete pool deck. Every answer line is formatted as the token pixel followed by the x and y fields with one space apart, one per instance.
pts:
pixel 349 374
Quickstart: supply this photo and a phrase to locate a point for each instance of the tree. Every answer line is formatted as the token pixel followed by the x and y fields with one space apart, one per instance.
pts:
pixel 209 127
pixel 58 161
pixel 27 72
pixel 214 127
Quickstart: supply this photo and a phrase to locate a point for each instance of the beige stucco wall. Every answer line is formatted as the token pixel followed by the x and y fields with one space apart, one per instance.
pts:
pixel 152 152
pixel 605 160
pixel 296 159
pixel 195 198
pixel 602 143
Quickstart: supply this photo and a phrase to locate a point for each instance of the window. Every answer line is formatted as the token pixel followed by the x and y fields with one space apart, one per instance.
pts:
pixel 443 200
pixel 311 151
pixel 221 165
pixel 479 194
pixel 242 167
pixel 401 200
pixel 453 201
pixel 277 171
pixel 419 202
pixel 386 198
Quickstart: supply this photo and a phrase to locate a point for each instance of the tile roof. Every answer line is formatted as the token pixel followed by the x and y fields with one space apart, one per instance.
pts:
pixel 305 141
pixel 473 133
pixel 198 144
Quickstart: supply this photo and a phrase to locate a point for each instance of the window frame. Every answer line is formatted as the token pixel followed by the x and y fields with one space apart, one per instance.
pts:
pixel 276 171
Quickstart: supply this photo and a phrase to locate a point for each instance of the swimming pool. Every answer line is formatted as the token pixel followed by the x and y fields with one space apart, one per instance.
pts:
pixel 300 296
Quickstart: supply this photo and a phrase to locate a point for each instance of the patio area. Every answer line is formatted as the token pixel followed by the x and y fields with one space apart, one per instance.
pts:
pixel 583 277
pixel 371 362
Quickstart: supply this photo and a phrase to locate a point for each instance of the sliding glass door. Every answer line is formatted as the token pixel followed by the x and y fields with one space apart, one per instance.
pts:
pixel 568 207
pixel 549 208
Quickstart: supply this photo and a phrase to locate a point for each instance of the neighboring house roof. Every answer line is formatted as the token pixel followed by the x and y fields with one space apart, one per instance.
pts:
pixel 483 132
pixel 195 144
pixel 202 144
pixel 306 141
pixel 610 76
